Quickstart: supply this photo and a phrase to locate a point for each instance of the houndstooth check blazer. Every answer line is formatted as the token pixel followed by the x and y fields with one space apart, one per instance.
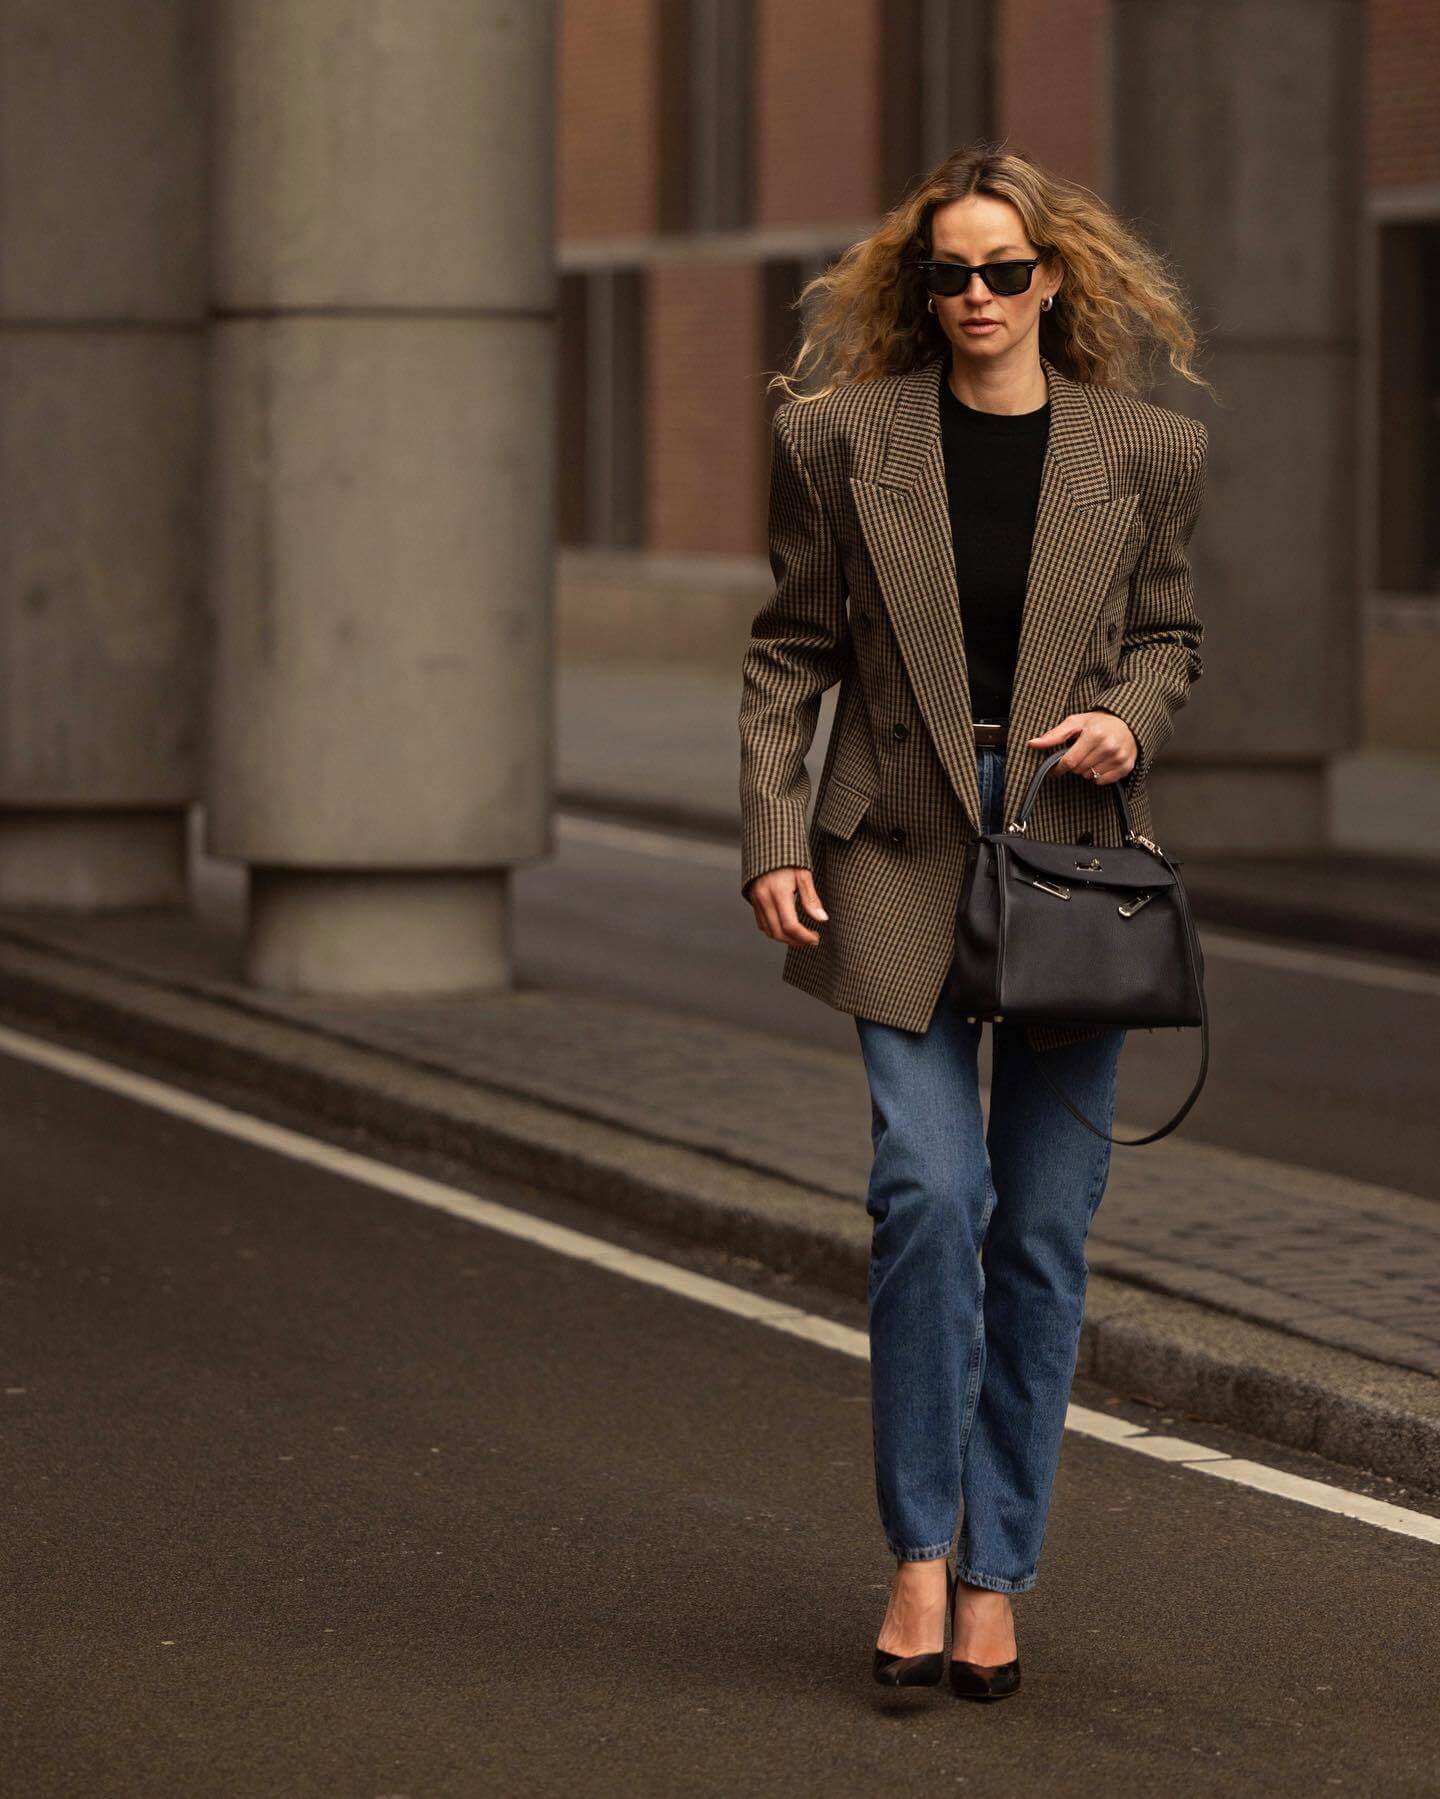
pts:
pixel 865 595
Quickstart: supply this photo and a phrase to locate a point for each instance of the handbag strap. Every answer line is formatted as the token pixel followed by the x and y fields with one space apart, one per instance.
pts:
pixel 1191 948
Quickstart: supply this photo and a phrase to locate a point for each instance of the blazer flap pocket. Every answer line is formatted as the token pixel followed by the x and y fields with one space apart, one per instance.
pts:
pixel 841 807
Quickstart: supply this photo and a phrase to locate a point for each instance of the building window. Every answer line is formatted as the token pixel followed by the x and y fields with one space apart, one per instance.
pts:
pixel 1408 538
pixel 782 279
pixel 706 117
pixel 782 327
pixel 601 460
pixel 573 421
pixel 937 84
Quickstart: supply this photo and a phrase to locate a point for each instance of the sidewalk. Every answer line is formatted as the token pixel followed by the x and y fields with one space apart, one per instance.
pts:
pixel 1302 1307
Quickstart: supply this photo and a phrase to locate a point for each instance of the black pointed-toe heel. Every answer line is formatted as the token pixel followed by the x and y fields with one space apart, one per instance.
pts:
pixel 926 1670
pixel 910 1670
pixel 981 1680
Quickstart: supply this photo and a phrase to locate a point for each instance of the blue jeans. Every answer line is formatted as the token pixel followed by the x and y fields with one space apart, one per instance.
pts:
pixel 977 1274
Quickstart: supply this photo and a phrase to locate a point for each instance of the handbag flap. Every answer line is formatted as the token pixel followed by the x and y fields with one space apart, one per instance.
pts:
pixel 1098 865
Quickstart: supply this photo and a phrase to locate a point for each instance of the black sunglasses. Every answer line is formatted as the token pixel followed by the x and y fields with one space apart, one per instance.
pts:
pixel 999 277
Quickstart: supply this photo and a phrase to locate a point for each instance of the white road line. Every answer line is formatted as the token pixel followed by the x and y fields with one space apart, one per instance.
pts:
pixel 774 1314
pixel 1224 943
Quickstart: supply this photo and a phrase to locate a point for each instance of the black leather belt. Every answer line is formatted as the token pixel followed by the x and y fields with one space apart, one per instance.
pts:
pixel 989 736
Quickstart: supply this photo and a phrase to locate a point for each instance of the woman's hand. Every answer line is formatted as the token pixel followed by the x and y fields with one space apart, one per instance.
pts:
pixel 1104 748
pixel 773 897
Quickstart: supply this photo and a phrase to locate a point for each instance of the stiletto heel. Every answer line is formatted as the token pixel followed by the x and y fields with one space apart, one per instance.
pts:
pixel 926 1670
pixel 980 1680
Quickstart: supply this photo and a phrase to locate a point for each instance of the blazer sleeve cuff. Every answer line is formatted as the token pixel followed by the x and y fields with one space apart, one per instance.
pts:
pixel 1148 717
pixel 773 838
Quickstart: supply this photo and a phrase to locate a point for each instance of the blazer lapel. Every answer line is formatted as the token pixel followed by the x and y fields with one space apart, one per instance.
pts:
pixel 904 515
pixel 1080 528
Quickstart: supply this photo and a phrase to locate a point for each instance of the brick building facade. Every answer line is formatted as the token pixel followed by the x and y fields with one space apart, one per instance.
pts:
pixel 714 152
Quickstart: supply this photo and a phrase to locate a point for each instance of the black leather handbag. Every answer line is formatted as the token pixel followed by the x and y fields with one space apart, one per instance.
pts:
pixel 1075 933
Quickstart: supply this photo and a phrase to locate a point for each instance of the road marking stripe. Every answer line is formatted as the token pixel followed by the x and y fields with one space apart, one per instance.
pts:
pixel 704 1289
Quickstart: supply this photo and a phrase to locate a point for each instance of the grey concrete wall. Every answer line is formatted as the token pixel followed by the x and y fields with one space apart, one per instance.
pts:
pixel 101 369
pixel 1236 147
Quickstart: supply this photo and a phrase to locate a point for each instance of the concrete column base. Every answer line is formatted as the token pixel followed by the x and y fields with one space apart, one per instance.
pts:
pixel 364 932
pixel 92 860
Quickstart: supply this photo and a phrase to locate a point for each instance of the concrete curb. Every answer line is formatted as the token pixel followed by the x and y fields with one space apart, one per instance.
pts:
pixel 1144 1343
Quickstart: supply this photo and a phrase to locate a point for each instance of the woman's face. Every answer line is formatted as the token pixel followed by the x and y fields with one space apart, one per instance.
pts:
pixel 977 230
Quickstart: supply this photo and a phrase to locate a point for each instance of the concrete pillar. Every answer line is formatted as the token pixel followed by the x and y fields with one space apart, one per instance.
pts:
pixel 382 482
pixel 1236 146
pixel 102 301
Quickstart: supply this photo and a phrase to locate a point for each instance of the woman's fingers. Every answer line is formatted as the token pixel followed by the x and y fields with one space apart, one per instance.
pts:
pixel 773 897
pixel 791 929
pixel 810 899
pixel 1101 742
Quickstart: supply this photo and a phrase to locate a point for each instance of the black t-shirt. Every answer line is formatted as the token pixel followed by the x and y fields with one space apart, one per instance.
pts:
pixel 993 463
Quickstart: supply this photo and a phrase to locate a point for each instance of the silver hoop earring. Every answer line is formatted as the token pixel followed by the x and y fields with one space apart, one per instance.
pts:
pixel 930 303
pixel 1047 302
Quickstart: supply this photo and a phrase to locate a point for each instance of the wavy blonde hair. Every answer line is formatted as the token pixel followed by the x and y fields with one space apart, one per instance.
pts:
pixel 1117 307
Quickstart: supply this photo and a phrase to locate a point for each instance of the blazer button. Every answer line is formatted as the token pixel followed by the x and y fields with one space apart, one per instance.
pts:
pixel 1111 629
pixel 900 731
pixel 1085 837
pixel 897 837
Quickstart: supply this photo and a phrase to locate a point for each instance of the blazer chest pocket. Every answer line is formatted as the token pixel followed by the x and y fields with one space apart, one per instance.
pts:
pixel 841 807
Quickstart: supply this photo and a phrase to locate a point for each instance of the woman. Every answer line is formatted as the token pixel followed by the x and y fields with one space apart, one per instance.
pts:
pixel 979 530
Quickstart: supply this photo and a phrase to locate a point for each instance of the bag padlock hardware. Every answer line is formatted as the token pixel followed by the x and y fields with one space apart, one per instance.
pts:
pixel 1128 908
pixel 1094 862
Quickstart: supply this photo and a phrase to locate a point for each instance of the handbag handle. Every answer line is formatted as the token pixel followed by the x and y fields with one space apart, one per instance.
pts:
pixel 1191 949
pixel 1037 780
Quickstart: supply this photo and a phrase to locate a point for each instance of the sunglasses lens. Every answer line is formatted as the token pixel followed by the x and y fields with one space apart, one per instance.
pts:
pixel 945 278
pixel 1009 277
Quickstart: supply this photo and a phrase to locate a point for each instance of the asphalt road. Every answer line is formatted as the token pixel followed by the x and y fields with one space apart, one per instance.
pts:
pixel 314 1491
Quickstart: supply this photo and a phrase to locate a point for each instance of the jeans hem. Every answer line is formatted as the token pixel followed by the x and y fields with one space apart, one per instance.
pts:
pixel 931 1552
pixel 995 1583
